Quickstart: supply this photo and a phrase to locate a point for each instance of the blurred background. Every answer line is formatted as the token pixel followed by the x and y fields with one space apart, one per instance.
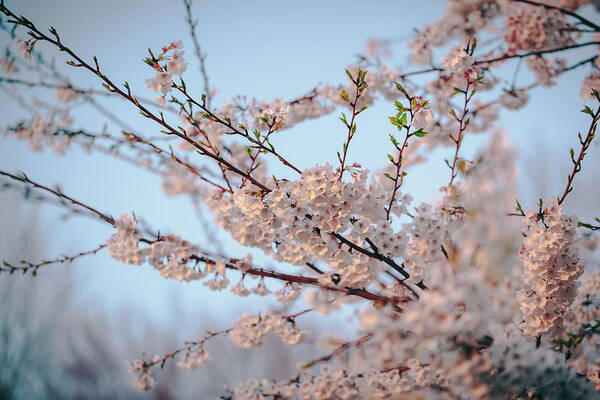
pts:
pixel 68 332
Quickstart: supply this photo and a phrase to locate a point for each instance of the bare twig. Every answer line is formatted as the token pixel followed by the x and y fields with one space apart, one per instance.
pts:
pixel 23 178
pixel 197 50
pixel 585 144
pixel 134 138
pixel 27 266
pixel 463 123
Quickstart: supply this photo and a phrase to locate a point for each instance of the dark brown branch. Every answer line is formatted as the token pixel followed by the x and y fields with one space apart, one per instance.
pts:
pixel 373 254
pixel 306 280
pixel 535 53
pixel 422 71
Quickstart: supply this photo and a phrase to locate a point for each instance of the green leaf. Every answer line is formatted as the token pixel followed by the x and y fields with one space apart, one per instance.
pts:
pixel 343 119
pixel 394 121
pixel 420 133
pixel 344 96
pixel 400 87
pixel 588 110
pixel 402 120
pixel 519 208
pixel 473 45
pixel 349 74
pixel 361 75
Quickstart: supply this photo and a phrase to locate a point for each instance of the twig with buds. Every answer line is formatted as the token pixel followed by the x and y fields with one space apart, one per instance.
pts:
pixel 27 266
pixel 585 144
pixel 361 85
pixel 25 179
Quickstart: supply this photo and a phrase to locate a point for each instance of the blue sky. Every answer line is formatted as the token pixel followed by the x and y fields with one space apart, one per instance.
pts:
pixel 261 49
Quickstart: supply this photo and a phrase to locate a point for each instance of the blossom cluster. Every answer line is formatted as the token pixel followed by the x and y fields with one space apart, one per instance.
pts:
pixel 551 267
pixel 250 330
pixel 338 383
pixel 529 28
pixel 520 26
pixel 65 94
pixel 174 64
pixel 143 381
pixel 193 359
pixel 170 256
pixel 302 218
pixel 41 132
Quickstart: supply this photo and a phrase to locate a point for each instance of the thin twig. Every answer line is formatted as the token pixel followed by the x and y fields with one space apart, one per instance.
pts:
pixel 585 144
pixel 27 266
pixel 197 50
pixel 462 126
pixel 535 53
pixel 57 193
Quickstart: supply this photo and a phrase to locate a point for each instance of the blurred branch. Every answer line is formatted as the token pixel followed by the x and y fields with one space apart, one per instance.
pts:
pixel 26 266
pixel 23 178
pixel 83 92
pixel 198 51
